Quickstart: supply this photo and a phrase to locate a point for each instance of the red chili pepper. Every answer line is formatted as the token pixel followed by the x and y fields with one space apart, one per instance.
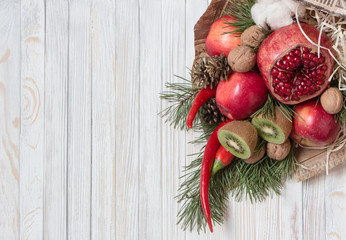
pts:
pixel 207 163
pixel 202 97
pixel 222 159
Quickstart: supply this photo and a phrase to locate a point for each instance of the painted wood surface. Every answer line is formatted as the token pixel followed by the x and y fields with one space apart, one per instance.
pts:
pixel 84 154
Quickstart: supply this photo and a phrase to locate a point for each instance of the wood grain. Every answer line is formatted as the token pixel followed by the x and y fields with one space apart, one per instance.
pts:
pixel 56 116
pixel 9 119
pixel 173 142
pixel 127 87
pixel 79 120
pixel 150 172
pixel 32 146
pixel 103 121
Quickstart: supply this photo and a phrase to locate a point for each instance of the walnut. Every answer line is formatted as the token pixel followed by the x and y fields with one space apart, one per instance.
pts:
pixel 242 59
pixel 278 151
pixel 252 36
pixel 332 100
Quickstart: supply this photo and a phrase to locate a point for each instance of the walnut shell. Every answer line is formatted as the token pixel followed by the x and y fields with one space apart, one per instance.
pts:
pixel 332 100
pixel 242 59
pixel 252 36
pixel 278 151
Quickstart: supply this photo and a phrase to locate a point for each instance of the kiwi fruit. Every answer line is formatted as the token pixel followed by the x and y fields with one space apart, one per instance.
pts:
pixel 274 130
pixel 239 138
pixel 256 156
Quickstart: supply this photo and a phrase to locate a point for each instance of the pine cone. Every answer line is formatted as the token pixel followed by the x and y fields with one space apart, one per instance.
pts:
pixel 208 71
pixel 211 114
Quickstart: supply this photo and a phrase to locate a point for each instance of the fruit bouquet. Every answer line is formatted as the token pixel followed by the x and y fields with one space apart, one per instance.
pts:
pixel 267 80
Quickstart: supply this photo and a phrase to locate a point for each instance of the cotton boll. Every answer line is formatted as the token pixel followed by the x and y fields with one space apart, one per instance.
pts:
pixel 258 13
pixel 275 13
pixel 279 16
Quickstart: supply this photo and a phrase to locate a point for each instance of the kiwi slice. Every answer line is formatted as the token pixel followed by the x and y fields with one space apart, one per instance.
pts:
pixel 276 129
pixel 239 138
pixel 258 154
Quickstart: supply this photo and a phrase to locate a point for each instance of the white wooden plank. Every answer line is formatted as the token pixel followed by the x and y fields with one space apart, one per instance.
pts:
pixel 32 119
pixel 150 199
pixel 173 141
pixel 56 77
pixel 103 120
pixel 291 211
pixel 79 120
pixel 314 225
pixel 9 118
pixel 127 119
pixel 335 203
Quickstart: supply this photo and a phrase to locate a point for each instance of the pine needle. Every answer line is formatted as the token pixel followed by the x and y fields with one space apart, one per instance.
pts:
pixel 268 110
pixel 241 10
pixel 180 96
pixel 241 180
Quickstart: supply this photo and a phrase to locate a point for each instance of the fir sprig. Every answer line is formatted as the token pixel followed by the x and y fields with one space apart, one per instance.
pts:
pixel 241 10
pixel 268 110
pixel 241 180
pixel 180 96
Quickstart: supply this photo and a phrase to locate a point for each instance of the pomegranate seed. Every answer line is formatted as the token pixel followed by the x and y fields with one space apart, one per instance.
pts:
pixel 320 82
pixel 276 80
pixel 316 60
pixel 280 75
pixel 288 91
pixel 320 77
pixel 284 62
pixel 295 97
pixel 308 83
pixel 324 68
pixel 274 72
pixel 305 49
pixel 305 56
pixel 288 58
pixel 297 52
pixel 321 59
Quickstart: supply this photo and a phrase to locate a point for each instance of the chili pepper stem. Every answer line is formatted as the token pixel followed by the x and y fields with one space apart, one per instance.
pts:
pixel 217 166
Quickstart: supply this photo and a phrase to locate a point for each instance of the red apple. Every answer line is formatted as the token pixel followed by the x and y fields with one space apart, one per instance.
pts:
pixel 241 95
pixel 318 128
pixel 217 42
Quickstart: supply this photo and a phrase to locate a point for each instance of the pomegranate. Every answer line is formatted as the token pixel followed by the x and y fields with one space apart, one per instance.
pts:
pixel 217 42
pixel 290 65
pixel 241 95
pixel 318 127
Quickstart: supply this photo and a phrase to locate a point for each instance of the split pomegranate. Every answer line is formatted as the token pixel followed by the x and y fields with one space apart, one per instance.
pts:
pixel 290 65
pixel 241 95
pixel 318 128
pixel 217 42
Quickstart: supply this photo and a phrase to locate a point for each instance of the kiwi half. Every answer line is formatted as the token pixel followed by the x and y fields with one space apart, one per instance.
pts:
pixel 257 155
pixel 275 130
pixel 239 138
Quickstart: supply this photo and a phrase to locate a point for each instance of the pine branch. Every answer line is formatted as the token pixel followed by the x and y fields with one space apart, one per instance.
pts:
pixel 180 96
pixel 268 110
pixel 242 180
pixel 241 10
